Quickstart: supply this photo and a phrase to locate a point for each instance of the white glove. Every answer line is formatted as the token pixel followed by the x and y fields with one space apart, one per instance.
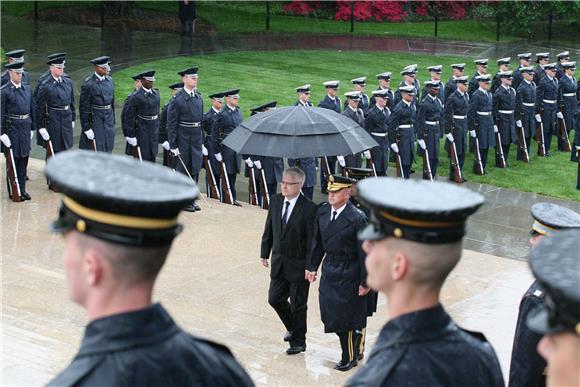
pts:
pixel 341 161
pixel 204 150
pixel 90 134
pixel 249 163
pixel 422 144
pixel 5 140
pixel 258 164
pixel 495 129
pixel 538 118
pixel 367 154
pixel 394 147
pixel 165 145
pixel 449 137
pixel 560 115
pixel 31 135
pixel 44 134
pixel 472 133
pixel 132 141
pixel 175 152
pixel 73 124
pixel 218 157
pixel 519 123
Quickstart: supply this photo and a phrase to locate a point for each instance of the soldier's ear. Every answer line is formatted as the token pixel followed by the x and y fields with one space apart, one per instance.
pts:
pixel 400 266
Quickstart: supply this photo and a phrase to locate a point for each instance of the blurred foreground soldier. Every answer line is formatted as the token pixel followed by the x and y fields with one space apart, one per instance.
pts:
pixel 435 73
pixel 307 164
pixel 55 109
pixel 376 122
pixel 451 85
pixel 217 103
pixel 187 16
pixel 287 236
pixel 129 149
pixel 225 122
pixel 163 139
pixel 332 102
pixel 455 122
pixel 429 122
pixel 504 104
pixel 97 108
pixel 527 368
pixel 384 85
pixel 561 58
pixel 413 242
pixel 355 113
pixel 567 99
pixel 503 65
pixel 525 108
pixel 481 69
pixel 555 265
pixel 546 106
pixel 118 218
pixel 343 290
pixel 359 85
pixel 542 59
pixel 401 129
pixel 15 56
pixel 480 121
pixel 18 123
pixel 524 59
pixel 184 132
pixel 143 118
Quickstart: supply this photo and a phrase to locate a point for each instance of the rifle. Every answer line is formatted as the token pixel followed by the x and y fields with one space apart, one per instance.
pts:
pixel 13 185
pixel 213 188
pixel 498 147
pixel 479 165
pixel 523 145
pixel 398 161
pixel 372 164
pixel 94 144
pixel 167 158
pixel 564 134
pixel 325 167
pixel 454 160
pixel 253 200
pixel 137 152
pixel 540 139
pixel 49 149
pixel 225 183
pixel 266 194
pixel 426 165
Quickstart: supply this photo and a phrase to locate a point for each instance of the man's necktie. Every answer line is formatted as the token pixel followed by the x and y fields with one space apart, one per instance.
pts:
pixel 334 213
pixel 285 216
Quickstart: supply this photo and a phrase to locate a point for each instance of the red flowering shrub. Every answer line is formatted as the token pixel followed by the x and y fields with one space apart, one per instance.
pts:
pixel 421 8
pixel 301 8
pixel 367 10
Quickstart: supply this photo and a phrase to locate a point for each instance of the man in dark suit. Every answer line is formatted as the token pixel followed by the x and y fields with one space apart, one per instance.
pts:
pixel 331 101
pixel 287 236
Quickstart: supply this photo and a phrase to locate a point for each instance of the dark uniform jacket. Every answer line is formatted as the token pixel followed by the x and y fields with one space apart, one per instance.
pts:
pixel 308 164
pixel 5 78
pixel 97 112
pixel 376 121
pixel 481 101
pixel 329 103
pixel 403 115
pixel 457 105
pixel 547 90
pixel 225 122
pixel 441 95
pixel 527 366
pixel 343 269
pixel 15 105
pixel 129 150
pixel 363 103
pixel 504 100
pixel 426 348
pixel 450 88
pixel 518 78
pixel 567 100
pixel 539 73
pixel 55 111
pixel 473 84
pixel 526 107
pixel 290 244
pixel 398 97
pixel 495 83
pixel 184 129
pixel 143 121
pixel 273 168
pixel 147 348
pixel 359 118
pixel 207 124
pixel 430 111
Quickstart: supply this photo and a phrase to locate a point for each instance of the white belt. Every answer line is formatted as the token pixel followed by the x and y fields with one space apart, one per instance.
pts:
pixel 101 107
pixel 190 124
pixel 569 94
pixel 432 122
pixel 378 134
pixel 549 101
pixel 530 104
pixel 65 107
pixel 148 118
pixel 18 116
pixel 506 111
pixel 459 117
pixel 484 113
pixel 405 126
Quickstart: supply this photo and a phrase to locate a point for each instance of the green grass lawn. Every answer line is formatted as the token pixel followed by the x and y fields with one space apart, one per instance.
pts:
pixel 273 75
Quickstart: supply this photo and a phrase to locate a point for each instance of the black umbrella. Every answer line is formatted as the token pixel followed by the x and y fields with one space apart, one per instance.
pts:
pixel 297 132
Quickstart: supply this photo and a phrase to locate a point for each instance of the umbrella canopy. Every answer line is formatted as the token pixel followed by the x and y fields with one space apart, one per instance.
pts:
pixel 298 132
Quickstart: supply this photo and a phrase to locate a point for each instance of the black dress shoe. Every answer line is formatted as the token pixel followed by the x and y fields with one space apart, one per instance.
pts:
pixel 197 207
pixel 548 154
pixel 463 180
pixel 236 203
pixel 288 336
pixel 360 356
pixel 345 366
pixel 190 208
pixel 26 196
pixel 294 350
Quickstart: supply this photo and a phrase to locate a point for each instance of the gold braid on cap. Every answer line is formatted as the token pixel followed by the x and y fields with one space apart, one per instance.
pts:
pixel 334 186
pixel 542 229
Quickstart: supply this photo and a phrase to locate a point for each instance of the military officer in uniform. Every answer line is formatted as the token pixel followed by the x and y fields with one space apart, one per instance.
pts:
pixel 331 101
pixel 480 120
pixel 455 122
pixel 143 117
pixel 435 73
pixel 18 122
pixel 163 139
pixel 125 124
pixel 355 113
pixel 401 128
pixel 413 242
pixel 343 290
pixel 555 265
pixel 225 122
pixel 47 73
pixel 384 84
pixel 15 56
pixel 55 108
pixel 308 164
pixel 429 122
pixel 97 108
pixel 561 58
pixel 451 85
pixel 567 100
pixel 524 62
pixel 359 85
pixel 504 104
pixel 526 108
pixel 409 74
pixel 542 59
pixel 376 121
pixel 217 103
pixel 503 65
pixel 481 69
pixel 117 236
pixel 527 368
pixel 546 104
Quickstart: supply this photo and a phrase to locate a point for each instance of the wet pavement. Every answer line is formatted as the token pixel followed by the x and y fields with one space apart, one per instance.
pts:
pixel 215 287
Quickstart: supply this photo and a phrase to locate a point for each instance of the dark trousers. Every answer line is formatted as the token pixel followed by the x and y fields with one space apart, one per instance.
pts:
pixel 506 153
pixel 293 313
pixel 520 154
pixel 461 160
pixel 331 167
pixel 20 163
pixel 349 343
pixel 483 154
pixel 186 26
pixel 547 139
pixel 406 171
pixel 308 192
